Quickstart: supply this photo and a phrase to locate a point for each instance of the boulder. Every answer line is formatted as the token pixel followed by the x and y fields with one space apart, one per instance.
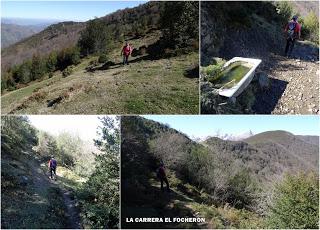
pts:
pixel 263 80
pixel 24 180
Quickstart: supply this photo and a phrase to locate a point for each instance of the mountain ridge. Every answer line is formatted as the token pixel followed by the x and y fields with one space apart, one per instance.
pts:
pixel 65 34
pixel 207 179
pixel 13 33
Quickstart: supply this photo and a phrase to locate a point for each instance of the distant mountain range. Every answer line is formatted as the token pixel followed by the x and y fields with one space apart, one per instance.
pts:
pixel 227 136
pixel 14 30
pixel 29 21
pixel 12 33
pixel 268 154
pixel 304 7
pixel 65 34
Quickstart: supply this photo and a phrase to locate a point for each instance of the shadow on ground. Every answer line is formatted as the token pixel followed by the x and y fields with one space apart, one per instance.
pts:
pixel 164 205
pixel 266 101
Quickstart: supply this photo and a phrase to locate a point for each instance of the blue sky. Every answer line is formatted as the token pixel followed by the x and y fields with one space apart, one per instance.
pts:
pixel 202 126
pixel 63 10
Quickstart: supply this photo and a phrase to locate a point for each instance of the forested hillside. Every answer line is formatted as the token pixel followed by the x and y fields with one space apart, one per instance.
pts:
pixel 233 184
pixel 85 192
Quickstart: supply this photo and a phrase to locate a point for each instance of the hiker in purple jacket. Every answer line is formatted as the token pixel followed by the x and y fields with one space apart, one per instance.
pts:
pixel 52 167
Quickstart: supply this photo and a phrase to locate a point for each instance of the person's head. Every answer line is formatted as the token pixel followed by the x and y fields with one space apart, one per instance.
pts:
pixel 127 43
pixel 52 157
pixel 295 18
pixel 161 164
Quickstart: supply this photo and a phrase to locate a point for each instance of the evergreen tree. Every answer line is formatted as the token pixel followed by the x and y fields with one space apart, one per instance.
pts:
pixel 52 62
pixel 95 38
pixel 180 22
pixel 38 67
pixel 101 192
pixel 296 203
pixel 67 57
pixel 22 73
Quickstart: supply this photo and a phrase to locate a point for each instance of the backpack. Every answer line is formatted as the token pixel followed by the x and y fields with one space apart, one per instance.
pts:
pixel 291 29
pixel 53 163
pixel 161 173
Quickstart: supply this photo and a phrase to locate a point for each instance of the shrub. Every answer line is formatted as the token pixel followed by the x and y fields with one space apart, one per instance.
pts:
pixel 213 69
pixel 103 58
pixel 296 202
pixel 241 189
pixel 167 143
pixel 67 57
pixel 38 96
pixel 68 71
pixel 311 27
pixel 285 10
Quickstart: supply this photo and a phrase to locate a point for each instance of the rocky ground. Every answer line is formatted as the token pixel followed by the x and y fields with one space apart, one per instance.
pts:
pixel 282 85
pixel 294 87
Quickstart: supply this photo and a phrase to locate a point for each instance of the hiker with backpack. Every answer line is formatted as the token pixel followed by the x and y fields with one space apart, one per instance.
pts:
pixel 126 52
pixel 293 32
pixel 161 174
pixel 52 167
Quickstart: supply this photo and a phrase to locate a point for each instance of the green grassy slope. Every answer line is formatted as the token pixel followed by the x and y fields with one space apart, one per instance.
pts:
pixel 145 86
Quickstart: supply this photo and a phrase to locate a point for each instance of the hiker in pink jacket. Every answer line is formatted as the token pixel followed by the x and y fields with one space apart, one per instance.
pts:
pixel 126 51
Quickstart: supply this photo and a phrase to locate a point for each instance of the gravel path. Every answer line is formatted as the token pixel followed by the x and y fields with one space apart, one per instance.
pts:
pixel 294 83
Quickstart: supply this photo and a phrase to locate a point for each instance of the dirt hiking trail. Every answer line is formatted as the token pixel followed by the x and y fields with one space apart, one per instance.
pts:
pixel 42 181
pixel 72 211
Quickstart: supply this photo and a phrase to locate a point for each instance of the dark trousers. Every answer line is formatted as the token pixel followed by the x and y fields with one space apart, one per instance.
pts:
pixel 165 180
pixel 125 59
pixel 289 46
pixel 52 170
